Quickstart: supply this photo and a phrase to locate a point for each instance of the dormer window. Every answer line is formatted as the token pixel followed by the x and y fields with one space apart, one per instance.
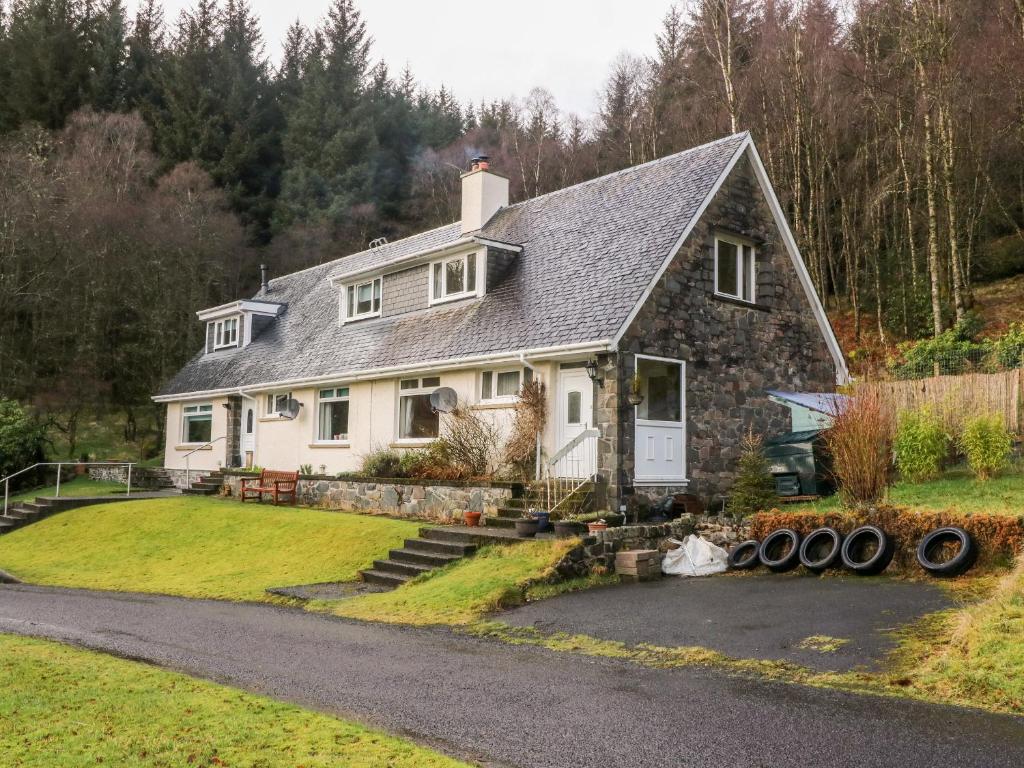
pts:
pixel 361 300
pixel 454 278
pixel 735 269
pixel 225 333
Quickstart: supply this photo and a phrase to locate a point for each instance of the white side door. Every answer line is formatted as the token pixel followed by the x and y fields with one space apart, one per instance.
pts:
pixel 661 421
pixel 248 435
pixel 575 414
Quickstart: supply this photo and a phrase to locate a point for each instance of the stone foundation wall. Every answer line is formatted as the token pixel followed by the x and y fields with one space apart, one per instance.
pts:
pixel 399 498
pixel 596 551
pixel 112 474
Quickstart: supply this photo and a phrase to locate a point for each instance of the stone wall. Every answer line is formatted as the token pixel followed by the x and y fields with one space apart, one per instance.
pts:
pixel 597 550
pixel 399 498
pixel 734 351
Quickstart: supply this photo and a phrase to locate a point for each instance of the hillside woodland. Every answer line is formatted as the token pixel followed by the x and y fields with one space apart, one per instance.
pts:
pixel 148 165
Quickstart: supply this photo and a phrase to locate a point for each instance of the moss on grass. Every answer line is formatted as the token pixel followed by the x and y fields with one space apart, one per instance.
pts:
pixel 198 547
pixel 64 707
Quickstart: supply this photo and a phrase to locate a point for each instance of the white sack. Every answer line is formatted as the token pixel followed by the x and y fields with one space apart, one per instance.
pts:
pixel 694 557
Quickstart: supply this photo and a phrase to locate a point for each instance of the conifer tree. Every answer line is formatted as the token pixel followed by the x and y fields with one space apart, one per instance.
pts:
pixel 108 91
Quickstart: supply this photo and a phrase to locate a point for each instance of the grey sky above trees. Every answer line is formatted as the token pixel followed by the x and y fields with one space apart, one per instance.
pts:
pixel 486 50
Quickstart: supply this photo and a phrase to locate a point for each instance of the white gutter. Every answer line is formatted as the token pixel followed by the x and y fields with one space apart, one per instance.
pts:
pixel 370 374
pixel 412 258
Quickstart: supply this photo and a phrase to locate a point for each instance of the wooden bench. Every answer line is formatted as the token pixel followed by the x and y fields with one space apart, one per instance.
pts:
pixel 278 484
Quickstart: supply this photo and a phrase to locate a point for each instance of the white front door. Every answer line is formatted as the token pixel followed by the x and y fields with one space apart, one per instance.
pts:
pixel 661 421
pixel 575 414
pixel 249 435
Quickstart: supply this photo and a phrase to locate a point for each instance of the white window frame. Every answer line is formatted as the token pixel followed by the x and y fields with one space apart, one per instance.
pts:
pixel 195 409
pixel 419 389
pixel 220 328
pixel 741 271
pixel 270 404
pixel 334 398
pixel 469 290
pixel 495 397
pixel 376 301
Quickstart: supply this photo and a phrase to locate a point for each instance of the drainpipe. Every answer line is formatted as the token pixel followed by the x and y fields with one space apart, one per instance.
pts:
pixel 528 364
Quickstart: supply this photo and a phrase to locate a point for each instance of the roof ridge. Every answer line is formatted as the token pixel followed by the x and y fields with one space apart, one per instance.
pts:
pixel 629 169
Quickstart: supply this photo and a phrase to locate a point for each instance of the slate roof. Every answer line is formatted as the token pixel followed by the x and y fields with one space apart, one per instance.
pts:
pixel 589 252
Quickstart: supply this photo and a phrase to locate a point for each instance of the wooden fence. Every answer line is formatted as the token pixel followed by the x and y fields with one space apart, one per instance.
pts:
pixel 957 398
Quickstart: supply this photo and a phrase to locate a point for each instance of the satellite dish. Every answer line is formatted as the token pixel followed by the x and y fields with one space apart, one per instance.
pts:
pixel 291 408
pixel 444 399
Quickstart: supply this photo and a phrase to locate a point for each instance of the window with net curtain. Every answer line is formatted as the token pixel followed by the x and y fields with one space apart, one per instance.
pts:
pixel 417 419
pixel 332 425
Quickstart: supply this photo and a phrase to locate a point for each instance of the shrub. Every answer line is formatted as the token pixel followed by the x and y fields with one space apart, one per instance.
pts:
pixel 22 439
pixel 382 463
pixel 860 439
pixel 471 444
pixel 986 443
pixel 754 489
pixel 920 445
pixel 530 419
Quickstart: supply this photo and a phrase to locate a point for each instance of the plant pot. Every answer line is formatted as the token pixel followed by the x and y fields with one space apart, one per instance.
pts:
pixel 598 526
pixel 543 520
pixel 634 399
pixel 566 529
pixel 526 528
pixel 472 519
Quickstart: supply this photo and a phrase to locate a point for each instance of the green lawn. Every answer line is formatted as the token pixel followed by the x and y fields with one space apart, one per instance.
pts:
pixel 462 592
pixel 956 490
pixel 64 707
pixel 78 486
pixel 198 547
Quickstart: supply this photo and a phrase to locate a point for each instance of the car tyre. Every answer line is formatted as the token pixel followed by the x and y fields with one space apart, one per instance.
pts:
pixel 960 562
pixel 821 549
pixel 745 555
pixel 774 553
pixel 852 552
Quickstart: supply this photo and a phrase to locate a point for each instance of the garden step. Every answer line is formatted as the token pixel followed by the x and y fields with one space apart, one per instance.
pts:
pixel 39 505
pixel 445 534
pixel 383 578
pixel 6 527
pixel 512 513
pixel 11 522
pixel 458 549
pixel 435 559
pixel 406 569
pixel 199 491
pixel 502 522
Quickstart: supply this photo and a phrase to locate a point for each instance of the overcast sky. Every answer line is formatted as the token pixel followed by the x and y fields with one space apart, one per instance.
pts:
pixel 487 49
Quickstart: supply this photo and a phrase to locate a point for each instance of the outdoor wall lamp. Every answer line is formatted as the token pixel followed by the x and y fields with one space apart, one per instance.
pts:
pixel 592 373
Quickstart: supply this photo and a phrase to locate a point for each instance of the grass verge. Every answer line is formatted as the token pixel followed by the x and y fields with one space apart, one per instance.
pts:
pixel 66 707
pixel 197 547
pixel 955 491
pixel 461 593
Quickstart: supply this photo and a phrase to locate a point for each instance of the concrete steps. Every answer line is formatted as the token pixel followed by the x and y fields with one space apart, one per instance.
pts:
pixel 207 485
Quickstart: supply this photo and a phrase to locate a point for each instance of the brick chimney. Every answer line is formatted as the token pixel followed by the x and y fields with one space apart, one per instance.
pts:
pixel 483 193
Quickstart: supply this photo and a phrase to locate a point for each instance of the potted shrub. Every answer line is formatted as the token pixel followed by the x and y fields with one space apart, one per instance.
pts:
pixel 636 390
pixel 543 518
pixel 472 518
pixel 526 527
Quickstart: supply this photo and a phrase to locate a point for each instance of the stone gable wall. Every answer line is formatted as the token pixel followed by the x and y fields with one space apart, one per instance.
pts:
pixel 733 352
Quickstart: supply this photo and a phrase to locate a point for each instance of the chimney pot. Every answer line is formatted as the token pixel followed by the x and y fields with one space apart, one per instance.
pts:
pixel 264 282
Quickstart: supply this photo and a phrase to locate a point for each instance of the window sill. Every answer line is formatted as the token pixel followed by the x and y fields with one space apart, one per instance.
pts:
pixel 656 481
pixel 491 405
pixel 456 297
pixel 331 444
pixel 412 442
pixel 193 447
pixel 726 299
pixel 265 419
pixel 359 318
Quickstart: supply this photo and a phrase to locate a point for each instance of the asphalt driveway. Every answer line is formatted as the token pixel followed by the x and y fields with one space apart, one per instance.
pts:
pixel 516 706
pixel 763 616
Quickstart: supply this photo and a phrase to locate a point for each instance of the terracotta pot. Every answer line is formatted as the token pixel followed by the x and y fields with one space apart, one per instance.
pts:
pixel 599 526
pixel 526 528
pixel 472 519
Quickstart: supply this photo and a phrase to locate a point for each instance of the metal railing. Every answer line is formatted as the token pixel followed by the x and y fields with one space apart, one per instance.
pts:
pixel 58 465
pixel 188 463
pixel 570 468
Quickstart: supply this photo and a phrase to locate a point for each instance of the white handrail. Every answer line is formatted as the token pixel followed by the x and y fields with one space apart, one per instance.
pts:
pixel 58 465
pixel 568 447
pixel 579 452
pixel 188 469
